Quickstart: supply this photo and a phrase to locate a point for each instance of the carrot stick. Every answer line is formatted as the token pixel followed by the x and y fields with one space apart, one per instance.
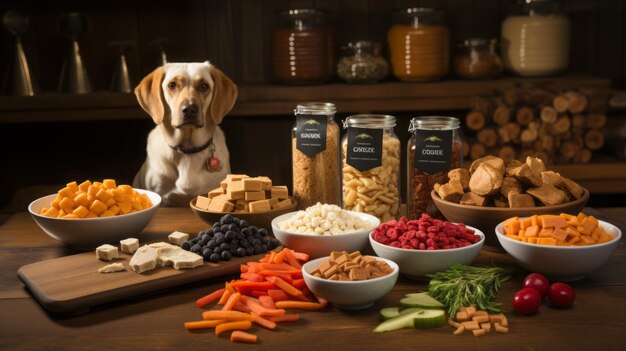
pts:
pixel 292 259
pixel 292 272
pixel 298 283
pixel 287 317
pixel 203 324
pixel 258 293
pixel 224 297
pixel 243 268
pixel 280 257
pixel 258 309
pixel 252 277
pixel 299 305
pixel 238 325
pixel 267 302
pixel 265 323
pixel 271 258
pixel 230 288
pixel 278 295
pixel 239 306
pixel 242 336
pixel 232 300
pixel 281 275
pixel 253 285
pixel 227 315
pixel 288 288
pixel 277 267
pixel 322 301
pixel 302 256
pixel 209 298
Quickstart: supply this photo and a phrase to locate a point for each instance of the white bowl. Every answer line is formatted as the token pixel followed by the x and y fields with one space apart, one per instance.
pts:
pixel 88 233
pixel 415 264
pixel 565 263
pixel 350 295
pixel 323 245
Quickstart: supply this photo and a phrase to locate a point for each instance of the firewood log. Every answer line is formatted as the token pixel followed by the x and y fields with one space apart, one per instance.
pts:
pixel 568 150
pixel 502 115
pixel 477 151
pixel 583 156
pixel 475 120
pixel 484 104
pixel 594 139
pixel 560 103
pixel 487 137
pixel 577 102
pixel 529 135
pixel 579 121
pixel 507 153
pixel 561 126
pixel 595 120
pixel 548 114
pixel 524 115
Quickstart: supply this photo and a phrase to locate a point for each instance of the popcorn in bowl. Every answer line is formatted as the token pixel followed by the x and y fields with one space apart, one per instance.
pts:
pixel 324 219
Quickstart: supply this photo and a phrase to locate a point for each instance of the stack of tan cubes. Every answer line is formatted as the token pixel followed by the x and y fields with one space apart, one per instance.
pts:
pixel 241 193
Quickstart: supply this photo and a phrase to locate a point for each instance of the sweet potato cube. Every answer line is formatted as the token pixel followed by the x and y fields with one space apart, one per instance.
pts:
pixel 81 211
pixel 125 207
pixel 106 213
pixel 51 212
pixel 546 241
pixel 109 184
pixel 66 192
pixel 586 240
pixel 67 204
pixel 589 224
pixel 84 186
pixel 103 195
pixel 532 240
pixel 81 198
pixel 533 230
pixel 111 202
pixel 573 240
pixel 203 202
pixel 526 223
pixel 98 207
pixel 572 232
pixel 546 232
pixel 553 221
pixel 559 234
pixel 114 209
pixel 511 225
pixel 120 196
pixel 73 186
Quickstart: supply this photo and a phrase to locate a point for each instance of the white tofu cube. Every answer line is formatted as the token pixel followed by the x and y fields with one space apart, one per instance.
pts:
pixel 129 245
pixel 177 238
pixel 106 252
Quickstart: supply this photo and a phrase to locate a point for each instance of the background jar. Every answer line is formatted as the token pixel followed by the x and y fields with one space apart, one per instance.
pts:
pixel 302 47
pixel 361 62
pixel 316 172
pixel 371 182
pixel 478 58
pixel 419 44
pixel 535 38
pixel 430 133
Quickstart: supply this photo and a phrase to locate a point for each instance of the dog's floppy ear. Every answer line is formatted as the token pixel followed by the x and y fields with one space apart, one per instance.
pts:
pixel 224 95
pixel 150 96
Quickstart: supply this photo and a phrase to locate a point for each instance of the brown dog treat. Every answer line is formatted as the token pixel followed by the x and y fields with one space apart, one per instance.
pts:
pixel 469 198
pixel 451 191
pixel 494 161
pixel 525 175
pixel 462 175
pixel 215 192
pixel 510 184
pixel 486 180
pixel 536 165
pixel 203 202
pixel 500 201
pixel 548 194
pixel 520 200
pixel 551 177
pixel 572 188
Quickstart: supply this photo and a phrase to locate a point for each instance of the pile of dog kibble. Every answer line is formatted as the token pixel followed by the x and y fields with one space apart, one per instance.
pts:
pixel 425 233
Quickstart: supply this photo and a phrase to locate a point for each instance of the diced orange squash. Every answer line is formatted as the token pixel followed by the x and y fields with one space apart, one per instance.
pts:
pixel 546 232
pixel 107 213
pixel 81 198
pixel 98 207
pixel 546 241
pixel 532 240
pixel 111 202
pixel 586 240
pixel 526 223
pixel 574 240
pixel 559 234
pixel 534 220
pixel 51 212
pixel 66 192
pixel 67 204
pixel 109 184
pixel 589 224
pixel 93 190
pixel 73 186
pixel 92 215
pixel 84 186
pixel 103 195
pixel 571 231
pixel 115 210
pixel 580 217
pixel 55 202
pixel 70 216
pixel 81 211
pixel 553 222
pixel 533 230
pixel 125 207
pixel 567 216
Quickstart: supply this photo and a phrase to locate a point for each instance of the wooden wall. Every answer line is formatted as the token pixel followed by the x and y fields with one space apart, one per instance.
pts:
pixel 234 35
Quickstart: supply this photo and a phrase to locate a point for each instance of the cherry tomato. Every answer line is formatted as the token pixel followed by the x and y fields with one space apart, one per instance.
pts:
pixel 561 295
pixel 526 301
pixel 538 282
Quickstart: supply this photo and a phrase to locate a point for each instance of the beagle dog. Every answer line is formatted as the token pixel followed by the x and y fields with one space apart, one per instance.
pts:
pixel 187 153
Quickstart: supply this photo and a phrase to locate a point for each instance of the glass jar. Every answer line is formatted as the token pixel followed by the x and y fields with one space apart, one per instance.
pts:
pixel 419 45
pixel 433 149
pixel 535 38
pixel 478 59
pixel 315 155
pixel 361 62
pixel 302 47
pixel 370 161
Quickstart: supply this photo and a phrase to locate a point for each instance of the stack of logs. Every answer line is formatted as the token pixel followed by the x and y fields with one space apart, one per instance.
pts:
pixel 558 127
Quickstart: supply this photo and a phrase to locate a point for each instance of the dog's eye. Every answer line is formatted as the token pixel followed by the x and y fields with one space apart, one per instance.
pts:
pixel 172 85
pixel 204 87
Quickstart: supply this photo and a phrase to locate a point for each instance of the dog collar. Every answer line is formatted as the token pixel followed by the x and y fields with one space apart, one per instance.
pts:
pixel 193 150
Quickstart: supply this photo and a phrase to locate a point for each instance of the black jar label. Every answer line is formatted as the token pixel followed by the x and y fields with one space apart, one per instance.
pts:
pixel 433 150
pixel 311 134
pixel 365 148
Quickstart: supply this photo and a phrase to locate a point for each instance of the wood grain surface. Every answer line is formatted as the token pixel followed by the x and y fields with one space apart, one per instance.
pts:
pixel 155 321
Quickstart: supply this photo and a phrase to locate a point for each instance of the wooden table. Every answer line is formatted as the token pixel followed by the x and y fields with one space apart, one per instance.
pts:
pixel 154 322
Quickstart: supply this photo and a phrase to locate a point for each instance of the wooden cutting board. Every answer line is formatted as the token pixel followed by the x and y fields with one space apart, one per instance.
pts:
pixel 72 284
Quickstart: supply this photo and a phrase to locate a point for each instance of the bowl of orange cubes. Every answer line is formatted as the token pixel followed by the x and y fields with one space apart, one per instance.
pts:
pixel 86 215
pixel 562 247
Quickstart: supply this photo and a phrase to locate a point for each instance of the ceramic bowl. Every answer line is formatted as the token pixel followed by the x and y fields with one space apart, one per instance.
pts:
pixel 323 245
pixel 350 295
pixel 88 233
pixel 565 263
pixel 487 218
pixel 415 264
pixel 258 219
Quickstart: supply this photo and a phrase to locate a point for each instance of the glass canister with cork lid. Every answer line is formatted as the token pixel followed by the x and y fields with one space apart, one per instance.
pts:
pixel 477 59
pixel 419 44
pixel 361 62
pixel 432 151
pixel 535 38
pixel 315 155
pixel 370 161
pixel 302 47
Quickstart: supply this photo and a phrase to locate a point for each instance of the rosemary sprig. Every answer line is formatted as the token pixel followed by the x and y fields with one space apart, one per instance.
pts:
pixel 461 285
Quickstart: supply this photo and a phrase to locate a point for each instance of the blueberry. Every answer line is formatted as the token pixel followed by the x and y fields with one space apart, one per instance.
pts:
pixel 243 223
pixel 241 252
pixel 206 236
pixel 263 232
pixel 258 249
pixel 225 246
pixel 216 225
pixel 203 242
pixel 226 219
pixel 196 249
pixel 226 255
pixel 220 240
pixel 255 242
pixel 230 235
pixel 224 228
pixel 206 253
pixel 246 231
pixel 217 250
pixel 244 243
pixel 274 243
pixel 186 245
pixel 211 244
pixel 233 247
pixel 233 227
pixel 265 240
pixel 195 240
pixel 218 235
pixel 250 251
pixel 254 230
pixel 215 257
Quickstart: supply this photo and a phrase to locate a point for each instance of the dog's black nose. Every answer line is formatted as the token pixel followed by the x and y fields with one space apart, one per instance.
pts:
pixel 190 111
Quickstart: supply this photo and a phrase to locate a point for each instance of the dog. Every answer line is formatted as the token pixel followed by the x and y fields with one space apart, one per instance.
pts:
pixel 186 151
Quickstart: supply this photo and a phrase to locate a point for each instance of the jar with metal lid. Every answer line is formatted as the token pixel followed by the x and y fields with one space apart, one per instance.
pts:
pixel 535 38
pixel 361 62
pixel 302 47
pixel 419 44
pixel 370 161
pixel 315 155
pixel 478 59
pixel 433 149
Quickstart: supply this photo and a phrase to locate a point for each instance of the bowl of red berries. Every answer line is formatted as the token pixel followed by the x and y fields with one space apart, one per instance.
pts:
pixel 426 245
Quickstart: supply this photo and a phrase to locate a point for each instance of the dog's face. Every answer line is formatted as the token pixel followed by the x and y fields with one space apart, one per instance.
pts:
pixel 185 97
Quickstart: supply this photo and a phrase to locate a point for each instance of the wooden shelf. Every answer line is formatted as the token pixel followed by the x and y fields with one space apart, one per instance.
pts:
pixel 598 178
pixel 273 100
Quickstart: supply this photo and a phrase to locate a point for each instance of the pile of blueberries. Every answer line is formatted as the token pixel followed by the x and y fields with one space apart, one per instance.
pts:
pixel 230 237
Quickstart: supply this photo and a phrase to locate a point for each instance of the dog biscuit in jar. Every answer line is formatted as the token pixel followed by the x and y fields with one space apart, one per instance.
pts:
pixel 370 161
